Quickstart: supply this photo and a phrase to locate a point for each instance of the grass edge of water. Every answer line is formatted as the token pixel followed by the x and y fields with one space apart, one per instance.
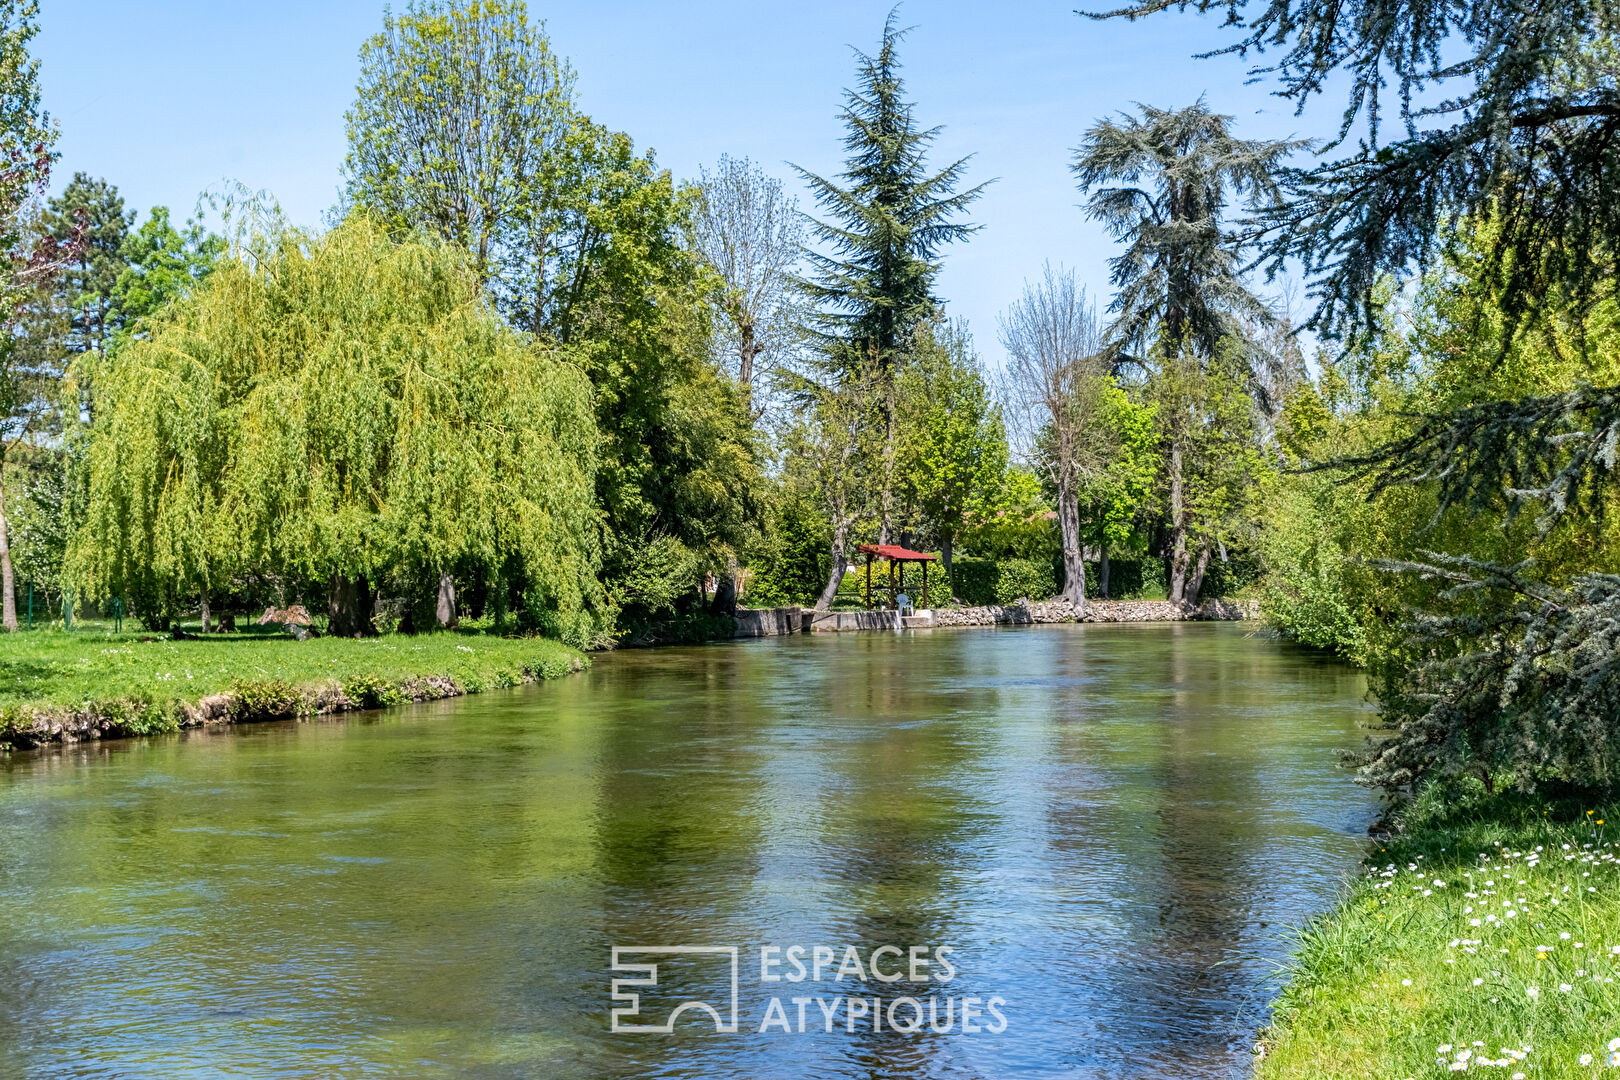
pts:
pixel 81 695
pixel 1383 981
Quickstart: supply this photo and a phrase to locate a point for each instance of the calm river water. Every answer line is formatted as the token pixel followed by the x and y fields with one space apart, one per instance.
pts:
pixel 1110 829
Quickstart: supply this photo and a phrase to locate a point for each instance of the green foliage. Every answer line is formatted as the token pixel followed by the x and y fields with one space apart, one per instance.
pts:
pixel 1133 579
pixel 459 116
pixel 1179 279
pixel 373 691
pixel 953 455
pixel 1477 622
pixel 161 264
pixel 90 215
pixel 344 408
pixel 1023 526
pixel 264 699
pixel 1527 135
pixel 788 563
pixel 41 530
pixel 889 219
pixel 1002 581
pixel 1113 495
pixel 677 454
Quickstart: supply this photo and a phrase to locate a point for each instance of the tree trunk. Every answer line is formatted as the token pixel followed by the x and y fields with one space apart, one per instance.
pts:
pixel 886 497
pixel 445 612
pixel 1196 586
pixel 349 610
pixel 725 590
pixel 840 543
pixel 8 581
pixel 1178 529
pixel 207 620
pixel 1102 569
pixel 946 544
pixel 746 351
pixel 1074 564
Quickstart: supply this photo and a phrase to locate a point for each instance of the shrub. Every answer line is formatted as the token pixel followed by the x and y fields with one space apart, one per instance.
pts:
pixel 985 581
pixel 264 699
pixel 372 692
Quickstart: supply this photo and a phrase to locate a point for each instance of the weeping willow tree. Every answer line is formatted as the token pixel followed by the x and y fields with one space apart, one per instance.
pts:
pixel 335 410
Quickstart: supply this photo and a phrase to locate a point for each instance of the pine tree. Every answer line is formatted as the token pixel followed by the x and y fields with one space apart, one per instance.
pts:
pixel 889 220
pixel 1177 173
pixel 1181 295
pixel 1508 110
pixel 88 283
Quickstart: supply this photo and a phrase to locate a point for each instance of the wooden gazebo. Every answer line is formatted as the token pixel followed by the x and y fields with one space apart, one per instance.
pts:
pixel 896 556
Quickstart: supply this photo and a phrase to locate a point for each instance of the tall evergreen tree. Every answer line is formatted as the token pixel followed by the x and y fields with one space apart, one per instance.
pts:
pixel 1181 294
pixel 1506 109
pixel 88 282
pixel 1162 182
pixel 1510 124
pixel 889 220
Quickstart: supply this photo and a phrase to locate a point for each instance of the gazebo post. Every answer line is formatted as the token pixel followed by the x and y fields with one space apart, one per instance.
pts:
pixel 894 594
pixel 925 582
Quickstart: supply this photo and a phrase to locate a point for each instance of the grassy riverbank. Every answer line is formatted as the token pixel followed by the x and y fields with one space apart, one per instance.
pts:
pixel 1484 937
pixel 56 685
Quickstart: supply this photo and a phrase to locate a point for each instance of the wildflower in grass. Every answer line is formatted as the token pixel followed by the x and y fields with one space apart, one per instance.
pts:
pixel 1584 1059
pixel 1614 1044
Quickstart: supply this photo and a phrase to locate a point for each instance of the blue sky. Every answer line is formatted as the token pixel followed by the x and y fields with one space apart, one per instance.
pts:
pixel 165 98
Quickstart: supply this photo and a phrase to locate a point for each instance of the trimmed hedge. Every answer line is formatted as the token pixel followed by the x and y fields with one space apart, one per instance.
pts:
pixel 978 582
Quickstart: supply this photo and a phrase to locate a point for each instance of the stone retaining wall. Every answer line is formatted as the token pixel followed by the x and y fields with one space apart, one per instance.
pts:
pixel 1058 611
pixel 769 622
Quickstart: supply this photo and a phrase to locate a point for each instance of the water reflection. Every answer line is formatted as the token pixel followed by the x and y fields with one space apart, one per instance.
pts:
pixel 1111 826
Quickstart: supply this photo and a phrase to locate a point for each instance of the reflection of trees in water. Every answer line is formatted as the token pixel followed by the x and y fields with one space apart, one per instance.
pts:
pixel 1167 813
pixel 905 826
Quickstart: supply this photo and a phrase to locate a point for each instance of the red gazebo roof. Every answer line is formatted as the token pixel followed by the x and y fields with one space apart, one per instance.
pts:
pixel 895 553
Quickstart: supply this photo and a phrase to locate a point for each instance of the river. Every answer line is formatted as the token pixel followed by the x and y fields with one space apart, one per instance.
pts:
pixel 1088 843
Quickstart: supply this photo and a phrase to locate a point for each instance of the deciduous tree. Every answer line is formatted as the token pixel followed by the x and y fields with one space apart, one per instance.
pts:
pixel 752 234
pixel 347 406
pixel 1057 379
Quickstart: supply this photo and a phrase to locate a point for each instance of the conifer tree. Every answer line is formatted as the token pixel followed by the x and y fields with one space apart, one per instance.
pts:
pixel 1509 110
pixel 93 209
pixel 889 218
pixel 1163 183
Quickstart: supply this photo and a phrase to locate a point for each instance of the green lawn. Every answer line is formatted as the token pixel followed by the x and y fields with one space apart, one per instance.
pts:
pixel 135 682
pixel 1485 939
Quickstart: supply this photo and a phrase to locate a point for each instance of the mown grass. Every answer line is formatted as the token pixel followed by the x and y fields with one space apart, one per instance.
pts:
pixel 1485 937
pixel 142 683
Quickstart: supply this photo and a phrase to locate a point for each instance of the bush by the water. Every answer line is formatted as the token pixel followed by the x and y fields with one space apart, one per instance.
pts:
pixel 979 582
